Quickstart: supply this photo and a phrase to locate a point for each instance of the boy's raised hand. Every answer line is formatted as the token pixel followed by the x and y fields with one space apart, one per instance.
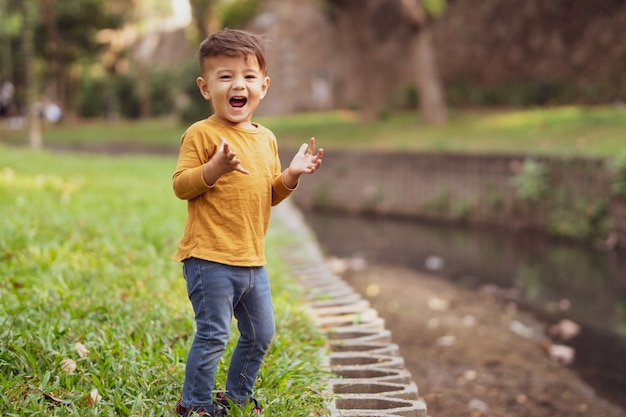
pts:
pixel 222 162
pixel 306 161
pixel 229 158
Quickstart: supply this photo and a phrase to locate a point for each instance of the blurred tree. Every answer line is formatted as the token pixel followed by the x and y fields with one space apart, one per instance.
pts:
pixel 143 11
pixel 5 43
pixel 64 38
pixel 29 10
pixel 55 70
pixel 203 16
pixel 432 104
pixel 212 15
pixel 237 13
pixel 370 28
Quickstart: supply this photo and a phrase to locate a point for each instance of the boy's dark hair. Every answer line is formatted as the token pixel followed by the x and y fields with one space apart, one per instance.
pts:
pixel 232 43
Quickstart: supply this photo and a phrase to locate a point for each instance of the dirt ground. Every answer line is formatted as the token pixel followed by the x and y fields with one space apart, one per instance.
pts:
pixel 471 354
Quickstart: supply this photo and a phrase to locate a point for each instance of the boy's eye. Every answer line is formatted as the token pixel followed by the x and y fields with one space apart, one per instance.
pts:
pixel 250 77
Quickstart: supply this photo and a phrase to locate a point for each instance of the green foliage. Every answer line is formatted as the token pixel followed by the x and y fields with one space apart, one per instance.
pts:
pixel 531 182
pixel 462 211
pixel 435 8
pixel 439 205
pixel 411 97
pixel 79 39
pixel 524 94
pixel 85 258
pixel 197 107
pixel 580 218
pixel 91 97
pixel 124 91
pixel 162 87
pixel 127 94
pixel 617 166
pixel 13 22
pixel 236 13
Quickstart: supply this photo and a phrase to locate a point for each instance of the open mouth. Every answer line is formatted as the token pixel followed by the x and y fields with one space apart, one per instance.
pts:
pixel 238 102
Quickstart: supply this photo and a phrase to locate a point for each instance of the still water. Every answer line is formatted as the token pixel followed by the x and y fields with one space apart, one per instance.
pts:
pixel 553 279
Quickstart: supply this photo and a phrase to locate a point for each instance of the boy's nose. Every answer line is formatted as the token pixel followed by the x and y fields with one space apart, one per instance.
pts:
pixel 238 83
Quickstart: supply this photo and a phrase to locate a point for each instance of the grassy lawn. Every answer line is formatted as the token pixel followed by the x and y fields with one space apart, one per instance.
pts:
pixel 94 317
pixel 93 312
pixel 597 131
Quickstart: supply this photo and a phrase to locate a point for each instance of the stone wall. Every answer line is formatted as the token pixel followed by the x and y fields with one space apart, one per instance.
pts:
pixel 487 52
pixel 569 197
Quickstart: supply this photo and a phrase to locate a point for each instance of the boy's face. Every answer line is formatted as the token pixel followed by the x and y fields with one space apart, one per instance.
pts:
pixel 235 85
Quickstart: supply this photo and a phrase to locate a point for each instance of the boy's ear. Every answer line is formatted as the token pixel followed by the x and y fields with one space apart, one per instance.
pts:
pixel 203 88
pixel 265 86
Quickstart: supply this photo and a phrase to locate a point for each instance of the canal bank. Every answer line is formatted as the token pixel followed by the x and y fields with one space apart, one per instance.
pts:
pixel 464 357
pixel 573 197
pixel 369 377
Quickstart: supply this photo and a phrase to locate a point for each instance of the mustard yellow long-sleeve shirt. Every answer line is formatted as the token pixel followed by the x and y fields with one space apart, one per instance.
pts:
pixel 227 222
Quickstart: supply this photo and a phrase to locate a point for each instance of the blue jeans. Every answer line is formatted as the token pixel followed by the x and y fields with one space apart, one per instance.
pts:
pixel 217 292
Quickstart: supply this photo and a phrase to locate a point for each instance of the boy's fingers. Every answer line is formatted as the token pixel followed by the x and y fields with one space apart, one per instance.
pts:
pixel 242 169
pixel 303 148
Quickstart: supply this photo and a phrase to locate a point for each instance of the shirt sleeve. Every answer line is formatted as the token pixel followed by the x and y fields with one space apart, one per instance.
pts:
pixel 188 180
pixel 280 191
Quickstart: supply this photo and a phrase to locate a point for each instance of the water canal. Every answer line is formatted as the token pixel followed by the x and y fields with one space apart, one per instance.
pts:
pixel 552 278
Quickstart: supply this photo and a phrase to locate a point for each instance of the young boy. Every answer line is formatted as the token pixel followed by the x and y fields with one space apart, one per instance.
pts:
pixel 229 172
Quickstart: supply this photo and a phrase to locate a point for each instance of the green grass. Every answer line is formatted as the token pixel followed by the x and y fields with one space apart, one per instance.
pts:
pixel 85 256
pixel 597 131
pixel 85 246
pixel 562 131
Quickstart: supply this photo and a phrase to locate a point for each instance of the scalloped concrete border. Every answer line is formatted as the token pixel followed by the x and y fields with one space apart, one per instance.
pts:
pixel 370 378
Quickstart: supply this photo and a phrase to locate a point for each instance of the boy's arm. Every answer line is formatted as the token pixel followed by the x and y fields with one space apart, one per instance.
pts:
pixel 188 181
pixel 194 177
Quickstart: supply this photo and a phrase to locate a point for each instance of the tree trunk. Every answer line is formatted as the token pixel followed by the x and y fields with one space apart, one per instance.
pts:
pixel 55 81
pixel 5 44
pixel 32 102
pixel 432 106
pixel 203 17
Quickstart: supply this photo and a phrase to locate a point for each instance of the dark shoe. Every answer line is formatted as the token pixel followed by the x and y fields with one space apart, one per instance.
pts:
pixel 224 401
pixel 216 411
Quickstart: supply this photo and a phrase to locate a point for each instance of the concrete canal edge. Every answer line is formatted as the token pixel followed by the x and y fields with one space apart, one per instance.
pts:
pixel 370 378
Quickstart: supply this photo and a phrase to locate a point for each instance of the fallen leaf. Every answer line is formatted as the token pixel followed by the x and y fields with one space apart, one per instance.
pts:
pixel 81 349
pixel 372 290
pixel 337 265
pixel 52 398
pixel 448 340
pixel 468 320
pixel 68 365
pixel 478 405
pixel 521 329
pixel 438 304
pixel 561 353
pixel 93 398
pixel 564 329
